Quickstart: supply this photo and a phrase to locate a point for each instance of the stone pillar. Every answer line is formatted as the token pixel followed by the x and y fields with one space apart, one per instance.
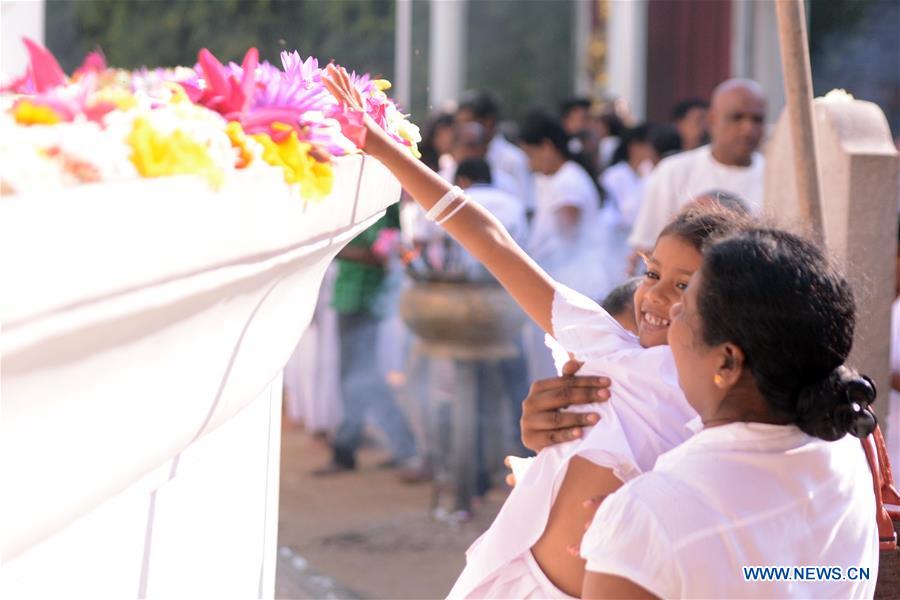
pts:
pixel 627 66
pixel 582 15
pixel 447 51
pixel 859 186
pixel 755 51
pixel 403 53
pixel 18 19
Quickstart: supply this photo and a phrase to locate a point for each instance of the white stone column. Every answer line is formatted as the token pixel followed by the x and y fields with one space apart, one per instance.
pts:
pixel 581 39
pixel 627 56
pixel 755 51
pixel 447 51
pixel 18 19
pixel 403 53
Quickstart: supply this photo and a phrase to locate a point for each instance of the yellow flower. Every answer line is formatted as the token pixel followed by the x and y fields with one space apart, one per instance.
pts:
pixel 178 95
pixel 28 113
pixel 121 98
pixel 157 155
pixel 240 141
pixel 410 132
pixel 293 156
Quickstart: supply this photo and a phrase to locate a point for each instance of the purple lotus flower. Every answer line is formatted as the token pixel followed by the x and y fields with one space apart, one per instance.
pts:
pixel 298 70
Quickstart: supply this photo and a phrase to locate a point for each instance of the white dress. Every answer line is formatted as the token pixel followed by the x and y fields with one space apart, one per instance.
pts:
pixel 679 179
pixel 743 495
pixel 646 416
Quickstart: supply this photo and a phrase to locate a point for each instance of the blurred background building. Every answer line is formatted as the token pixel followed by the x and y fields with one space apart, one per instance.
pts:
pixel 535 52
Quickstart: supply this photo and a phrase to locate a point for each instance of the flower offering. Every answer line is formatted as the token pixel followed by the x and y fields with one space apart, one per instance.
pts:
pixel 212 120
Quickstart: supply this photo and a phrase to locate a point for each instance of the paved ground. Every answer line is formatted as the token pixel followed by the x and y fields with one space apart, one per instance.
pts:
pixel 364 534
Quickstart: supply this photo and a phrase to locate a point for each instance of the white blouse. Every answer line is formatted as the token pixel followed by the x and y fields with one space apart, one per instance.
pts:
pixel 743 495
pixel 646 416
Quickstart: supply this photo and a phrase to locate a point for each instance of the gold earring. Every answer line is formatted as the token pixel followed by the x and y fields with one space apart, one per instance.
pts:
pixel 718 380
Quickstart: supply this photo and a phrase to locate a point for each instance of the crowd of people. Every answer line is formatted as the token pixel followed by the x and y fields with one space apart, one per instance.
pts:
pixel 725 424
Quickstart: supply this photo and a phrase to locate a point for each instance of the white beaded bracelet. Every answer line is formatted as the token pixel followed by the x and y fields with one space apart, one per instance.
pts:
pixel 452 194
pixel 459 207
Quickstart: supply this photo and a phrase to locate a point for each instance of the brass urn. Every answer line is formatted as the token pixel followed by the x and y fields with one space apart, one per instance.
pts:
pixel 463 319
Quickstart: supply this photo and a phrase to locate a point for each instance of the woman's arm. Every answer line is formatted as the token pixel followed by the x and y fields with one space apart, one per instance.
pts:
pixel 473 227
pixel 544 424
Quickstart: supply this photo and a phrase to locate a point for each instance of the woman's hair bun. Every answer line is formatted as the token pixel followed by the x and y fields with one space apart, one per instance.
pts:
pixel 837 405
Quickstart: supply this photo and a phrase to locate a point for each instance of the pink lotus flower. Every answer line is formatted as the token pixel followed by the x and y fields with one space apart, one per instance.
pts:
pixel 94 62
pixel 43 73
pixel 219 89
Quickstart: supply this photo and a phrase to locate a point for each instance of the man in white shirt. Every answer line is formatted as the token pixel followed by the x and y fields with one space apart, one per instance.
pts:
pixel 730 162
pixel 481 107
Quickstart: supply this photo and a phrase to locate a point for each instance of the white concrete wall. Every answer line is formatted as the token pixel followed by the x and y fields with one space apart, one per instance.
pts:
pixel 141 388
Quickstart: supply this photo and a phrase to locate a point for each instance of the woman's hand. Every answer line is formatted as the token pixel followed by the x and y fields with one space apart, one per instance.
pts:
pixel 543 424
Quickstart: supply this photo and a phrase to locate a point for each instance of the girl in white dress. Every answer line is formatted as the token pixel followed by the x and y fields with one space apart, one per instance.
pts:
pixel 523 554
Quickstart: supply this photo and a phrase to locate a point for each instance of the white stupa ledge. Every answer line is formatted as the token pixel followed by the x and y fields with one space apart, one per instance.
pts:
pixel 145 325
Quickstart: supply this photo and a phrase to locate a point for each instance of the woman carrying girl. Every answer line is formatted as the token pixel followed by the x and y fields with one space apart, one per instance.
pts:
pixel 501 567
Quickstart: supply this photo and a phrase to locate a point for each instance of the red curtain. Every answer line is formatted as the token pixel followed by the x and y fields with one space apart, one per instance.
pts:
pixel 688 51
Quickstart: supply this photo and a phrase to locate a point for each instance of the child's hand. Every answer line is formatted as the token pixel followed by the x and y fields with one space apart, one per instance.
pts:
pixel 337 81
pixel 518 466
pixel 356 125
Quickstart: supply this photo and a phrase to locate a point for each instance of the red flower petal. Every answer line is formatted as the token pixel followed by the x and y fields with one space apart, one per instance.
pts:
pixel 45 71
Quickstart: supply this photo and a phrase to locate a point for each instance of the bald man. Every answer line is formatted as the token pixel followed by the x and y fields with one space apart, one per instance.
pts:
pixel 730 162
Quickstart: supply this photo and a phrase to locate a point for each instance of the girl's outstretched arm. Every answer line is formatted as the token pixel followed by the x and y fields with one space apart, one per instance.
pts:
pixel 476 229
